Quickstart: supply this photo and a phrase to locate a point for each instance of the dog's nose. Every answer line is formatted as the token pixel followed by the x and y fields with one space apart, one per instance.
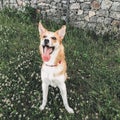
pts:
pixel 46 41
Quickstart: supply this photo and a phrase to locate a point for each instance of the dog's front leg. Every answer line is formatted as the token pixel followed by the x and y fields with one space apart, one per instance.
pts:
pixel 63 91
pixel 45 94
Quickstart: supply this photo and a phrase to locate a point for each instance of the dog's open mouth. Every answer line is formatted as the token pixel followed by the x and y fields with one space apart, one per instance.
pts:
pixel 47 51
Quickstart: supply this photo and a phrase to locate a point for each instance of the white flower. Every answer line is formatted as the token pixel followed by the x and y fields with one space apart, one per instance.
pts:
pixel 1 115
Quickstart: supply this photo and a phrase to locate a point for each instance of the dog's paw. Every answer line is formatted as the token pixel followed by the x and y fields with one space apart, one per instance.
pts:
pixel 70 110
pixel 41 107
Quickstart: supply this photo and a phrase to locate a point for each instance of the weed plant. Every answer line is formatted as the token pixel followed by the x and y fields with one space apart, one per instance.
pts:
pixel 93 67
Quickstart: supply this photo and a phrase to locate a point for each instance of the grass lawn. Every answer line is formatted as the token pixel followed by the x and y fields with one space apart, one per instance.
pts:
pixel 93 67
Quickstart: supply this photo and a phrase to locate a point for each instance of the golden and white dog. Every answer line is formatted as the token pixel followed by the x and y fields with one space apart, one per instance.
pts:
pixel 54 67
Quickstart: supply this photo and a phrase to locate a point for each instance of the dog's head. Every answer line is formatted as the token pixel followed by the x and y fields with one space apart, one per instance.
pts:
pixel 50 41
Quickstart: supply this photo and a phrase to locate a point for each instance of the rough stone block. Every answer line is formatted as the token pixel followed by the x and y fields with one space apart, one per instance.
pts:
pixel 93 19
pixel 59 5
pixel 75 6
pixel 100 1
pixel 95 5
pixel 116 23
pixel 88 0
pixel 80 18
pixel 63 18
pixel 72 1
pixel 103 13
pixel 115 15
pixel 86 12
pixel 116 0
pixel 80 0
pixel 100 19
pixel 13 1
pixel 116 6
pixel 108 21
pixel 91 26
pixel 91 13
pixel 87 18
pixel 106 4
pixel 85 6
pixel 80 24
pixel 64 1
pixel 80 12
pixel 57 1
pixel 53 4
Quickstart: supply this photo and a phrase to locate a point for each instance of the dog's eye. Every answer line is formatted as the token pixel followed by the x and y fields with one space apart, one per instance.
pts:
pixel 54 38
pixel 44 36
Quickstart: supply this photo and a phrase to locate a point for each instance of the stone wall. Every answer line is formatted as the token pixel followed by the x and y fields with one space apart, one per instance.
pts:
pixel 98 15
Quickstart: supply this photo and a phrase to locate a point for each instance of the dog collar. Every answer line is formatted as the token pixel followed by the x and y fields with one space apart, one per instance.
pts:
pixel 53 65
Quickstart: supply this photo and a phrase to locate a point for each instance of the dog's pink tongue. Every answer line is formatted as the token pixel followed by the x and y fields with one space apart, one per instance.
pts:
pixel 46 54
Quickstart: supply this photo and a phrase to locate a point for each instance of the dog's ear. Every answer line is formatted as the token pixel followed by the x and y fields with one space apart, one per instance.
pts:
pixel 41 28
pixel 61 32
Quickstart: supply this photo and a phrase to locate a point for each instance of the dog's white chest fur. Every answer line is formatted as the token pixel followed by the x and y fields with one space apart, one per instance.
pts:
pixel 49 76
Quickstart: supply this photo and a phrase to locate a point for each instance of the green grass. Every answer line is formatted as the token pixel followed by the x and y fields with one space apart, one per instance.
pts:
pixel 93 67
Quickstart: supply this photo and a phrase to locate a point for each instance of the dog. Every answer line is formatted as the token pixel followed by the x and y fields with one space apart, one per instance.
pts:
pixel 53 71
